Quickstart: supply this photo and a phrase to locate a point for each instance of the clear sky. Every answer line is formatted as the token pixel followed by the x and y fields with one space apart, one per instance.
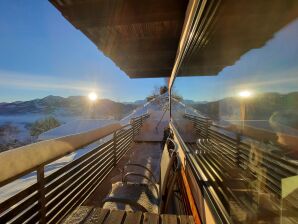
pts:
pixel 43 54
pixel 271 68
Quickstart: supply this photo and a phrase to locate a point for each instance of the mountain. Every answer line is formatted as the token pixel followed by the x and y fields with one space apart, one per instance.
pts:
pixel 71 106
pixel 140 102
pixel 189 102
pixel 259 107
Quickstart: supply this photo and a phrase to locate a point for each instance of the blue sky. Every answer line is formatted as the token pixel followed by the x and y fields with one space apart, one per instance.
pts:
pixel 272 68
pixel 43 54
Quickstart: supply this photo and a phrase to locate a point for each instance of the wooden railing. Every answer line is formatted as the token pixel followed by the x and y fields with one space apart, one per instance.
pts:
pixel 246 153
pixel 227 158
pixel 55 195
pixel 137 122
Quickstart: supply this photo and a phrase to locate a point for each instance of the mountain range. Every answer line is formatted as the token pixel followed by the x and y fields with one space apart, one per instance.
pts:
pixel 260 106
pixel 70 106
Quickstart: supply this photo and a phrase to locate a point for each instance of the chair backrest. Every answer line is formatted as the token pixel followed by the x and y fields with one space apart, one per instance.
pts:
pixel 166 164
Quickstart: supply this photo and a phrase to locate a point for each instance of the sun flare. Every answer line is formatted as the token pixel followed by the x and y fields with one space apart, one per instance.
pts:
pixel 245 94
pixel 92 96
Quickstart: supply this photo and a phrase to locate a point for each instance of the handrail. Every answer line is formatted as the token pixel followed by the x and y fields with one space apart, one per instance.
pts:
pixel 218 147
pixel 24 159
pixel 255 158
pixel 51 198
pixel 217 208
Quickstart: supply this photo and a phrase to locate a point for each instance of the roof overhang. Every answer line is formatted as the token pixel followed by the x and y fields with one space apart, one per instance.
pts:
pixel 142 37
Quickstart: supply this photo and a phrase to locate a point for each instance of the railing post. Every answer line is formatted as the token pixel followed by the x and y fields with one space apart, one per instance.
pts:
pixel 238 142
pixel 207 127
pixel 132 123
pixel 41 191
pixel 115 147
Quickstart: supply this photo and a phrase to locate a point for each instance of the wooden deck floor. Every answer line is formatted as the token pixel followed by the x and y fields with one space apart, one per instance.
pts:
pixel 89 214
pixel 146 150
pixel 147 154
pixel 152 129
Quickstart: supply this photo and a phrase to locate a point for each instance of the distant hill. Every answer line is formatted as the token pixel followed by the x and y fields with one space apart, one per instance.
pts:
pixel 261 106
pixel 140 102
pixel 71 106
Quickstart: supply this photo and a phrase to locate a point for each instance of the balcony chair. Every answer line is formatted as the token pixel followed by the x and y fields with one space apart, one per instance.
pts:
pixel 151 196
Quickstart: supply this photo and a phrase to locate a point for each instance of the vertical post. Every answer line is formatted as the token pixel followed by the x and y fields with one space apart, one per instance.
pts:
pixel 238 141
pixel 207 127
pixel 242 114
pixel 41 190
pixel 132 123
pixel 115 147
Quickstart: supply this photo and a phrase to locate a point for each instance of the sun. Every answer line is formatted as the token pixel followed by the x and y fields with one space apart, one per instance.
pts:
pixel 245 94
pixel 92 96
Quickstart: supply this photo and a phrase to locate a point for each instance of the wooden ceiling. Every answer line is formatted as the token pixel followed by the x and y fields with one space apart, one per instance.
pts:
pixel 142 36
pixel 229 28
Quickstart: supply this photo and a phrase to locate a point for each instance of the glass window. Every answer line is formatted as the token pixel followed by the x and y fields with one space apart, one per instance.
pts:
pixel 241 126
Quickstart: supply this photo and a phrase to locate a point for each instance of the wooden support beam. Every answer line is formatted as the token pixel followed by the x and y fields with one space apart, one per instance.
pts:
pixel 41 191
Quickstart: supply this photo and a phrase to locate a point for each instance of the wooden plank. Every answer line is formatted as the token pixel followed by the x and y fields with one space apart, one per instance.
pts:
pixel 133 218
pixel 41 191
pixel 150 218
pixel 98 215
pixel 169 219
pixel 115 217
pixel 184 219
pixel 78 215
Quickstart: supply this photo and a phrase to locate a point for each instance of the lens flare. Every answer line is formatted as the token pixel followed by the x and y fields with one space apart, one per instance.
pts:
pixel 245 94
pixel 92 96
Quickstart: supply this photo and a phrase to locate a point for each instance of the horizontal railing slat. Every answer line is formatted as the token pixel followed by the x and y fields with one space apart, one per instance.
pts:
pixel 68 181
pixel 122 147
pixel 235 151
pixel 70 185
pixel 67 196
pixel 19 208
pixel 128 131
pixel 126 138
pixel 124 142
pixel 17 198
pixel 71 206
pixel 77 161
pixel 28 216
pixel 76 172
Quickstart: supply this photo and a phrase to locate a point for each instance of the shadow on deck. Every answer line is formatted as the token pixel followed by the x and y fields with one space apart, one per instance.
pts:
pixel 145 150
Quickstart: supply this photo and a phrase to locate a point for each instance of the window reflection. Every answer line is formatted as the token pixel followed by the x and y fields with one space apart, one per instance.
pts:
pixel 242 127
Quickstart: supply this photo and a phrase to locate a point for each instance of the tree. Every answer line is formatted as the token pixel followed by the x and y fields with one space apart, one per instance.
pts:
pixel 8 133
pixel 163 90
pixel 43 125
